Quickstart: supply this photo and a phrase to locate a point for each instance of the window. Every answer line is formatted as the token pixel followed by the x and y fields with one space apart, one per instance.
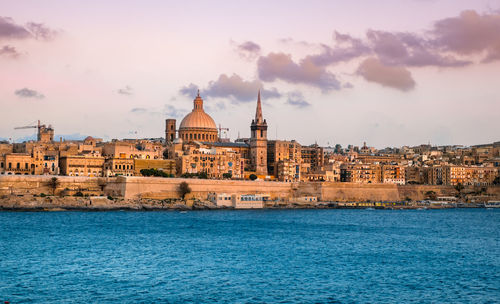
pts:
pixel 18 166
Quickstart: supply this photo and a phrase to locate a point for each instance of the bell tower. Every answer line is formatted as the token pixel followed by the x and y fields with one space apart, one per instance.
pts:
pixel 258 141
pixel 170 129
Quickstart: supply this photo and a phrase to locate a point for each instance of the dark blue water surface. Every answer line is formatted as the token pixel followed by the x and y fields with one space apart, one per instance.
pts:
pixel 286 256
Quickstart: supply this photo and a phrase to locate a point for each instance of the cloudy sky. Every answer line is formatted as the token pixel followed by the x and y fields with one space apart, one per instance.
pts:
pixel 389 72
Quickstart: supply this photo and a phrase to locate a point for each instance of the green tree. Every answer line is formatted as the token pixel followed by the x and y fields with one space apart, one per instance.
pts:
pixel 184 189
pixel 53 183
pixel 227 175
pixel 252 177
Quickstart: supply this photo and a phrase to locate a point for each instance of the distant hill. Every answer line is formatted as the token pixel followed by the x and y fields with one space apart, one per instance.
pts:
pixel 74 136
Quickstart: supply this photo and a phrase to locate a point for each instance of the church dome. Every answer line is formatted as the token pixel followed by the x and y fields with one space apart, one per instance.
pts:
pixel 197 119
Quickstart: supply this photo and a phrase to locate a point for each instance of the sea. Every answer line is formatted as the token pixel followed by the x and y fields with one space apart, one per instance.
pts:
pixel 252 256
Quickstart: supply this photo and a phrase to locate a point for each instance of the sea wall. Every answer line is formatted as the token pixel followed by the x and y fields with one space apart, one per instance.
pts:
pixel 167 188
pixel 38 184
pixel 161 188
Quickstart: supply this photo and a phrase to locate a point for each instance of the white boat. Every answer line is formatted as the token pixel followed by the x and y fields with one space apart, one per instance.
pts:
pixel 492 204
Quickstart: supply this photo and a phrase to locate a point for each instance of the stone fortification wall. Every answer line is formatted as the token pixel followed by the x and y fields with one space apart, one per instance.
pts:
pixel 165 188
pixel 161 188
pixel 38 184
pixel 359 192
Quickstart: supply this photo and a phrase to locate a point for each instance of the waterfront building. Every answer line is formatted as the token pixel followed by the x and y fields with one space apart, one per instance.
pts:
pixel 239 201
pixel 314 156
pixel 287 170
pixel 393 174
pixel 119 166
pixel 329 173
pixel 81 165
pixel 414 175
pixel 250 201
pixel 361 173
pixel 221 199
pixel 132 149
pixel 215 161
pixel 282 150
pixel 17 164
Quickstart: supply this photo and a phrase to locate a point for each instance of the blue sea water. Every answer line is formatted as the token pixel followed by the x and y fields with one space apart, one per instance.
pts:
pixel 265 256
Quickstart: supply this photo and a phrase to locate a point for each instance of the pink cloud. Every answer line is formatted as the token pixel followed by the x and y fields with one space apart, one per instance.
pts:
pixel 9 51
pixel 233 87
pixel 280 66
pixel 470 33
pixel 248 50
pixel 371 69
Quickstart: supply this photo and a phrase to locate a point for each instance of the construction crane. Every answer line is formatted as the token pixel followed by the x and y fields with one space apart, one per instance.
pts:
pixel 40 129
pixel 28 127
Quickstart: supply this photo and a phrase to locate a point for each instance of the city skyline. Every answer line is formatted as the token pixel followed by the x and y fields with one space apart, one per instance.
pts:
pixel 341 75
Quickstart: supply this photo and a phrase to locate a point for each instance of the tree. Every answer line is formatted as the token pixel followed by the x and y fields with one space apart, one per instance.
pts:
pixel 459 187
pixel 184 189
pixel 431 195
pixel 496 181
pixel 53 184
pixel 252 176
pixel 227 175
pixel 154 172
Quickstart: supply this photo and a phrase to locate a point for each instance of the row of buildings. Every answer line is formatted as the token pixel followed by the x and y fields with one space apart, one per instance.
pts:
pixel 195 148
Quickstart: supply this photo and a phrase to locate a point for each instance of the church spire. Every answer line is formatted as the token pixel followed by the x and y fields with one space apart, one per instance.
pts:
pixel 258 112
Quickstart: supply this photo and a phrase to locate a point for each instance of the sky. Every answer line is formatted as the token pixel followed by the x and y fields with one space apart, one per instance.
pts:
pixel 388 73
